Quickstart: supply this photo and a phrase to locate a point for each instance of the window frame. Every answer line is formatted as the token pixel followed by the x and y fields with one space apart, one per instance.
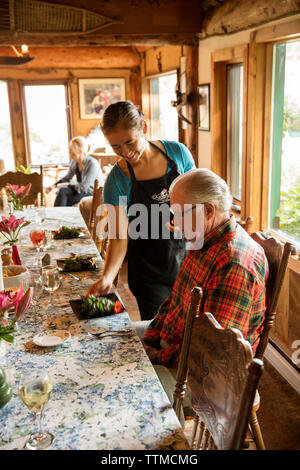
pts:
pixel 12 129
pixel 22 85
pixel 267 38
pixel 146 92
pixel 219 61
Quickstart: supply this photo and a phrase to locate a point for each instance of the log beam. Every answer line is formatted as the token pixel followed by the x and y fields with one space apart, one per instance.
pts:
pixel 234 16
pixel 79 57
pixel 96 40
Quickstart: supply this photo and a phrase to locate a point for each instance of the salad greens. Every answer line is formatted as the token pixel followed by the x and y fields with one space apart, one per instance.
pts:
pixel 78 263
pixel 66 232
pixel 97 306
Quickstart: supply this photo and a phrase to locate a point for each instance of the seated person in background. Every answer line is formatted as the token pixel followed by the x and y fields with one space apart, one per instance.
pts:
pixel 86 169
pixel 223 259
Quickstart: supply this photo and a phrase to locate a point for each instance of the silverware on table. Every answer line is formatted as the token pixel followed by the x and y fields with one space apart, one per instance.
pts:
pixel 104 334
pixel 75 277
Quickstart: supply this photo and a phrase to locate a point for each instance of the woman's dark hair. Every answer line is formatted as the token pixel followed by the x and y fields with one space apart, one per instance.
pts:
pixel 123 113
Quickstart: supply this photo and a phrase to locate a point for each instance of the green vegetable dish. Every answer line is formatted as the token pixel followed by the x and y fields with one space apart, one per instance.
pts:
pixel 66 232
pixel 78 263
pixel 97 306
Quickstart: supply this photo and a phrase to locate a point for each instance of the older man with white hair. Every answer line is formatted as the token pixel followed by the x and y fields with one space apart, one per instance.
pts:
pixel 223 259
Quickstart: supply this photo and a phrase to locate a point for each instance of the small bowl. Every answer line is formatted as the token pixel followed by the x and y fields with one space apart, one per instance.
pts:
pixel 19 275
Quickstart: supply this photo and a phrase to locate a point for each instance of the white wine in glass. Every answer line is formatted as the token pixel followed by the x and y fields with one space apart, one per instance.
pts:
pixel 35 390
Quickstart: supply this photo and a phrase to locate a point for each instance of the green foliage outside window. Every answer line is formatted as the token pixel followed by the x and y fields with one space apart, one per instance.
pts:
pixel 289 212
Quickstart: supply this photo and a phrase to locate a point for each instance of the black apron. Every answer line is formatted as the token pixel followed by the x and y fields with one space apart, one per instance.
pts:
pixel 153 264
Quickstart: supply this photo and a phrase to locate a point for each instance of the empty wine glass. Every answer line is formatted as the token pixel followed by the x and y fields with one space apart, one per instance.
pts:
pixel 37 237
pixel 51 279
pixel 34 391
pixel 35 280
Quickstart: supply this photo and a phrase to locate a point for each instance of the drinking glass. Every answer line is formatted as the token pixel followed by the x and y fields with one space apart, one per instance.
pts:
pixel 51 279
pixel 35 280
pixel 34 391
pixel 37 237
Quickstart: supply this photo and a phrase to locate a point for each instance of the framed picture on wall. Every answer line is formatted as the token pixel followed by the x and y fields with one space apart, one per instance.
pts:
pixel 204 106
pixel 95 94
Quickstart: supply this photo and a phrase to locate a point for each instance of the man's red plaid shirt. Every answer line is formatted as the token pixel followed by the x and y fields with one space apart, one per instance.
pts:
pixel 231 268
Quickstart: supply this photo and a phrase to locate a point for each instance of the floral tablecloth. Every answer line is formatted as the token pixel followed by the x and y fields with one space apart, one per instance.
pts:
pixel 106 394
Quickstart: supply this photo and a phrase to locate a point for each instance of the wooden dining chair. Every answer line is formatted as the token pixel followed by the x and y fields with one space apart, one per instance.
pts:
pixel 97 223
pixel 222 376
pixel 247 224
pixel 22 179
pixel 277 254
pixel 94 219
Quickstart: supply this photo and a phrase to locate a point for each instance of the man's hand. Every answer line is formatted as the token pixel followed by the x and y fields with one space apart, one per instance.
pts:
pixel 151 352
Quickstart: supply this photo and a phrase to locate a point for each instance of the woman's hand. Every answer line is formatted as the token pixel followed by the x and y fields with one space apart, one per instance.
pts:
pixel 101 287
pixel 47 190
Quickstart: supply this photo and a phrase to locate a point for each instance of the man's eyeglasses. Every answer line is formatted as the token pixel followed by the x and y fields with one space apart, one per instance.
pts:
pixel 182 214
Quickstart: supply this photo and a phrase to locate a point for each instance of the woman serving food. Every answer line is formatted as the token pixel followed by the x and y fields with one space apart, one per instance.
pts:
pixel 141 178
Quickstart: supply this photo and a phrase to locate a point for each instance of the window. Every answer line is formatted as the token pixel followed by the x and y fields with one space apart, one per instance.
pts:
pixel 163 116
pixel 229 92
pixel 47 123
pixel 284 206
pixel 234 129
pixel 7 153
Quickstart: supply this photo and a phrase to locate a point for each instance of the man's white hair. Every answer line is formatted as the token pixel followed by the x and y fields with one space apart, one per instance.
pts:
pixel 202 185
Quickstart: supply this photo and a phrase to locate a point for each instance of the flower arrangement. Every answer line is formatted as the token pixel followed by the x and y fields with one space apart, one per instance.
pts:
pixel 10 228
pixel 20 302
pixel 16 194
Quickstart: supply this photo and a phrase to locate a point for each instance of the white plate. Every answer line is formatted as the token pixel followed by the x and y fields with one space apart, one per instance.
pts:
pixel 51 338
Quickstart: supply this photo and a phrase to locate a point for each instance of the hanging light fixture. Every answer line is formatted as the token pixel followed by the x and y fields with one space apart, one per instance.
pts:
pixel 21 58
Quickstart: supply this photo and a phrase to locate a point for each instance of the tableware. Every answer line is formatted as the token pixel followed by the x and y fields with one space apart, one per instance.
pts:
pixel 76 306
pixel 51 280
pixel 35 280
pixel 74 277
pixel 50 338
pixel 51 277
pixel 34 391
pixel 109 335
pixel 37 236
pixel 76 263
pixel 68 233
pixel 14 276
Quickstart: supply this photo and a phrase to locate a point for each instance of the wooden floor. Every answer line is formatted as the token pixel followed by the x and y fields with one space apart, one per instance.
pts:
pixel 279 413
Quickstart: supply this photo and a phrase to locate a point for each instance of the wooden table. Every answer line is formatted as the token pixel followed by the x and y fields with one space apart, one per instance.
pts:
pixel 106 394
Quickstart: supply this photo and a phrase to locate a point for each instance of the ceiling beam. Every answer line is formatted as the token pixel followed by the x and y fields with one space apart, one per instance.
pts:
pixel 78 57
pixel 234 15
pixel 96 40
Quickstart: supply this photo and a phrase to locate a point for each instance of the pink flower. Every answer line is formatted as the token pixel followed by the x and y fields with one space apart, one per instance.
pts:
pixel 16 190
pixel 4 322
pixel 6 301
pixel 8 225
pixel 24 303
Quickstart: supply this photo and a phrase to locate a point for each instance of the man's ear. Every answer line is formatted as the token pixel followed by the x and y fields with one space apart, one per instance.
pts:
pixel 209 210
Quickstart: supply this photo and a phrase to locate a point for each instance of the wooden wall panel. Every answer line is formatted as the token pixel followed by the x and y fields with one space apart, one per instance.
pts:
pixel 16 76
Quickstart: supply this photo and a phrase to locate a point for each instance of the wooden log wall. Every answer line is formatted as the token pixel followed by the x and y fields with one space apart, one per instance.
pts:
pixel 67 65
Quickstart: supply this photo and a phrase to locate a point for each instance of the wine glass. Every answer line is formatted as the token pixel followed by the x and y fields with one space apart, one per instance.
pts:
pixel 35 280
pixel 51 279
pixel 37 237
pixel 34 391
